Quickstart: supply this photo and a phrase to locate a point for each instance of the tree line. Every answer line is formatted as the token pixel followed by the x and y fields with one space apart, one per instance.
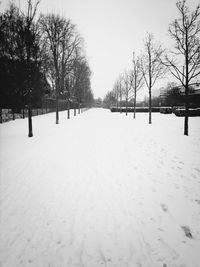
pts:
pixel 155 62
pixel 41 56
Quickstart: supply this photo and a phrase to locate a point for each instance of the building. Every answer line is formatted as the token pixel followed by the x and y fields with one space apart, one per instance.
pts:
pixel 179 94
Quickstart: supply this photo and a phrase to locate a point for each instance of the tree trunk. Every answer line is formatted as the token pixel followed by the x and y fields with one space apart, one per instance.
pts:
pixel 134 114
pixel 57 89
pixel 150 120
pixel 68 109
pixel 1 120
pixel 186 121
pixel 79 109
pixel 28 49
pixel 30 127
pixel 186 86
pixel 186 111
pixel 13 113
pixel 46 104
pixel 57 86
pixel 57 110
pixel 126 106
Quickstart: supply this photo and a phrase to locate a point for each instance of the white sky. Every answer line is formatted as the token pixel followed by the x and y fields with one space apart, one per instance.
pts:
pixel 112 30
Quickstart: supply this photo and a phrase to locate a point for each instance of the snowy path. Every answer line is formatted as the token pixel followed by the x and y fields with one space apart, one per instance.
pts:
pixel 100 190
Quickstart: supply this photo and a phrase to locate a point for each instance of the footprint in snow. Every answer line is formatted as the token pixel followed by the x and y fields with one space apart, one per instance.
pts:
pixel 59 242
pixel 176 186
pixel 164 207
pixel 196 169
pixel 198 201
pixel 194 175
pixel 153 189
pixel 179 168
pixel 187 231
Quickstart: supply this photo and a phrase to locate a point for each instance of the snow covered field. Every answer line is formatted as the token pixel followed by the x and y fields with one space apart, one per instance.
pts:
pixel 100 189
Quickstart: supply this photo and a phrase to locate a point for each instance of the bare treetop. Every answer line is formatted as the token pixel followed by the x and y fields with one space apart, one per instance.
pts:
pixel 151 66
pixel 31 9
pixel 185 31
pixel 184 61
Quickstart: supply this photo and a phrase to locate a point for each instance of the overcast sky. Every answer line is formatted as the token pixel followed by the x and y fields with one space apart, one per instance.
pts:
pixel 112 30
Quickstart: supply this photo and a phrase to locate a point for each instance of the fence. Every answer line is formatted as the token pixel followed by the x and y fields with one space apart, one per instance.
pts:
pixel 46 106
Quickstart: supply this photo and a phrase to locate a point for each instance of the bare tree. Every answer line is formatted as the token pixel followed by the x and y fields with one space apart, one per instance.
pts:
pixel 61 39
pixel 69 86
pixel 118 91
pixel 127 86
pixel 80 87
pixel 151 66
pixel 71 51
pixel 52 27
pixel 29 39
pixel 120 88
pixel 109 99
pixel 138 80
pixel 77 73
pixel 185 31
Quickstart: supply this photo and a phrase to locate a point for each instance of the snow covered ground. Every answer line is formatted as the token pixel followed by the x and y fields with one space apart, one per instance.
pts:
pixel 100 189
